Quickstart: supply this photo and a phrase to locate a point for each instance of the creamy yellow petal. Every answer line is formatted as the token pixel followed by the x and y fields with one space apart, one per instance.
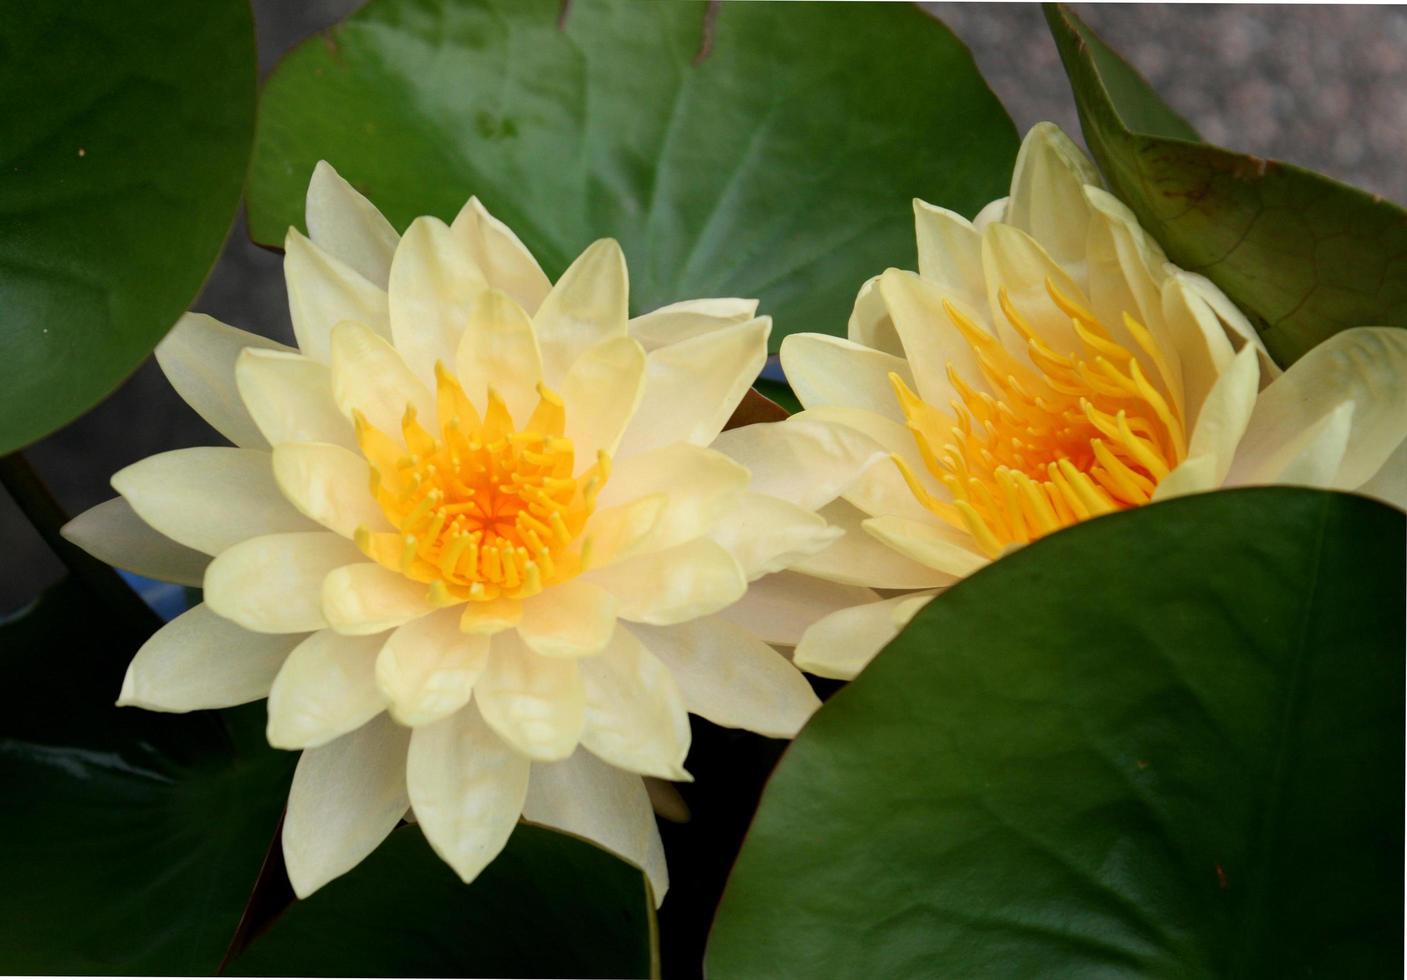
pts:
pixel 601 391
pixel 428 667
pixel 1389 484
pixel 113 533
pixel 938 546
pixel 950 253
pixel 588 798
pixel 571 619
pixel 366 598
pixel 696 486
pixel 779 608
pixel 501 256
pixel 731 677
pixel 344 224
pixel 586 306
pixel 692 387
pixel 635 716
pixel 199 660
pixel 491 616
pixel 880 488
pixel 198 357
pixel 675 584
pixel 1233 322
pixel 536 704
pixel 1195 474
pixel 1318 454
pixel 991 213
pixel 1197 339
pixel 1016 262
pixel 326 688
pixel 1221 422
pixel 870 324
pixel 209 498
pixel 435 284
pixel 859 558
pixel 369 376
pixel 467 789
pixel 346 797
pixel 767 534
pixel 289 396
pixel 802 460
pixel 330 485
pixel 273 584
pixel 1366 366
pixel 931 342
pixel 690 318
pixel 324 291
pixel 1046 193
pixel 843 643
pixel 831 371
pixel 499 349
pixel 616 533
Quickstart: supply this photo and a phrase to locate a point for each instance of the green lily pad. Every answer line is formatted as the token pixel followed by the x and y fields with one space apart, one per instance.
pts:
pixel 1302 255
pixel 758 150
pixel 1166 742
pixel 125 132
pixel 548 906
pixel 132 839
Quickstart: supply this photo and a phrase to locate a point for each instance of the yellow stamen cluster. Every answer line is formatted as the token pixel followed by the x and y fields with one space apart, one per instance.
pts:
pixel 487 510
pixel 1056 440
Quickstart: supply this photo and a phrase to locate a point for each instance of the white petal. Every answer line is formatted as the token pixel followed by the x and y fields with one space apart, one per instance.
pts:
pixel 536 704
pixel 610 808
pixel 326 688
pixel 950 253
pixel 930 543
pixel 330 485
pixel 731 677
pixel 323 292
pixel 1046 192
pixel 504 260
pixel 209 498
pixel 669 586
pixel 347 796
pixel 198 357
pixel 273 584
pixel 767 534
pixel 113 533
pixel 635 715
pixel 680 321
pixel 571 619
pixel 346 225
pixel 289 396
pixel 779 608
pixel 931 342
pixel 802 460
pixel 870 324
pixel 199 660
pixel 467 788
pixel 843 643
pixel 586 306
pixel 428 667
pixel 696 486
pixel 369 376
pixel 831 371
pixel 692 387
pixel 1366 366
pixel 366 598
pixel 499 350
pixel 434 286
pixel 1317 455
pixel 601 392
pixel 859 558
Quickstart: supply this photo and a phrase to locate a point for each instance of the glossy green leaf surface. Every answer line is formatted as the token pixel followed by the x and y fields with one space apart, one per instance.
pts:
pixel 130 839
pixel 1302 255
pixel 1163 743
pixel 125 132
pixel 768 150
pixel 548 906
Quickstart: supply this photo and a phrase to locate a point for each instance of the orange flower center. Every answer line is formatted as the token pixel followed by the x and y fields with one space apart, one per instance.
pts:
pixel 1053 441
pixel 486 510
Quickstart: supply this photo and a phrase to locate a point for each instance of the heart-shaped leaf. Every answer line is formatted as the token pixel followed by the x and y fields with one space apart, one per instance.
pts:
pixel 125 131
pixel 1166 742
pixel 759 150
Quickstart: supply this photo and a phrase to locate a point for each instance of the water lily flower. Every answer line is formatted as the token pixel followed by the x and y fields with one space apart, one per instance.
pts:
pixel 1045 365
pixel 470 542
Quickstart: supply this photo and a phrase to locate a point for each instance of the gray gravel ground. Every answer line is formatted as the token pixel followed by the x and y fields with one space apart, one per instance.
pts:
pixel 1321 86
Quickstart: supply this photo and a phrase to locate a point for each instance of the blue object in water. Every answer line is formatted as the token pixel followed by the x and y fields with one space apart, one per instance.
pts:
pixel 165 599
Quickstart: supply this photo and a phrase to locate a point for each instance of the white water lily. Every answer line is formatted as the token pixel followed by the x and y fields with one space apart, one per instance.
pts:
pixel 1047 364
pixel 470 540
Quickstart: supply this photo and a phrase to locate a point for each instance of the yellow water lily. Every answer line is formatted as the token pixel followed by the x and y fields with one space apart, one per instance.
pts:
pixel 471 541
pixel 1045 365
